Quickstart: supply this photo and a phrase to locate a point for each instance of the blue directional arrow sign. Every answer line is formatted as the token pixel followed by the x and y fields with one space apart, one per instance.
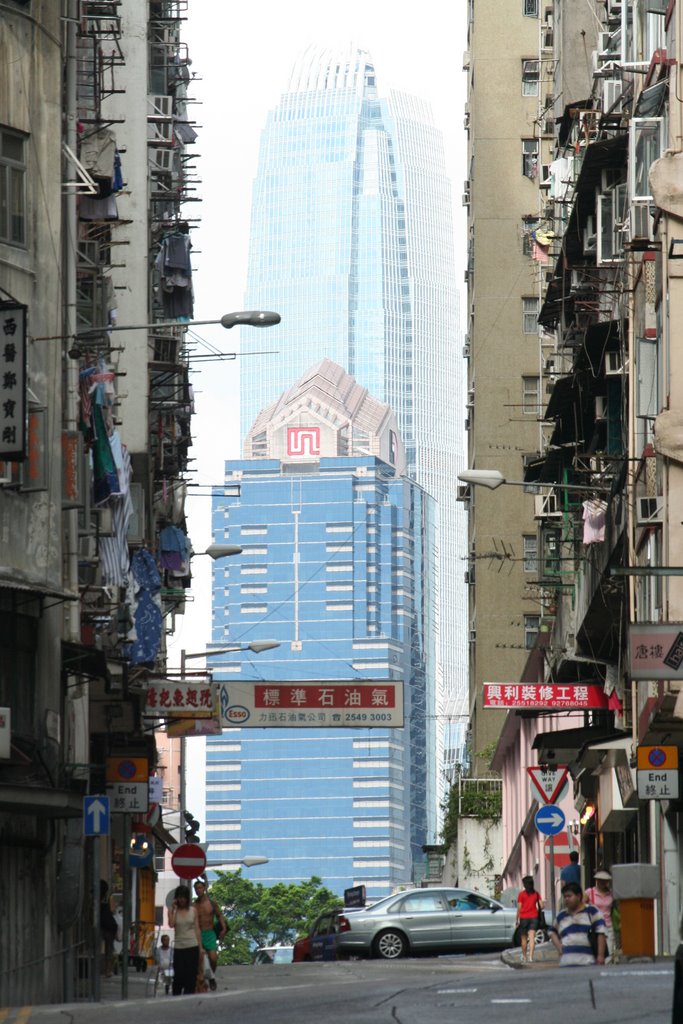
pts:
pixel 550 819
pixel 96 815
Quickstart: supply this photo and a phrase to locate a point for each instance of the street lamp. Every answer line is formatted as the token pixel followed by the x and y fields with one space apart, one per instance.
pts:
pixel 251 318
pixel 219 551
pixel 493 478
pixel 256 646
pixel 249 862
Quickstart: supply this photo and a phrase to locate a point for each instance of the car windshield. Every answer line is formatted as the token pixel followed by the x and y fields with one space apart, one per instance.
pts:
pixel 282 956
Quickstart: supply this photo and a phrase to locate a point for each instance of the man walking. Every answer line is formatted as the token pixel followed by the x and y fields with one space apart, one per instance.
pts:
pixel 572 872
pixel 577 928
pixel 212 926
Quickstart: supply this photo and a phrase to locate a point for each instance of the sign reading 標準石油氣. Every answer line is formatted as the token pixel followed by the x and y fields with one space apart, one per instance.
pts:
pixel 303 704
pixel 544 695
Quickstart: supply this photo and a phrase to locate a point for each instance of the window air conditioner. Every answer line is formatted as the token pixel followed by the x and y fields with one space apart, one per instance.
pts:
pixel 649 510
pixel 612 89
pixel 613 364
pixel 546 506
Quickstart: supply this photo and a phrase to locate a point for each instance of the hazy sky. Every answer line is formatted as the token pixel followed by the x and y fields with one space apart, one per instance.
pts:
pixel 242 55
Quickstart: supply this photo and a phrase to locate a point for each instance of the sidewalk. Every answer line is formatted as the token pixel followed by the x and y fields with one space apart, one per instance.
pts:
pixel 545 955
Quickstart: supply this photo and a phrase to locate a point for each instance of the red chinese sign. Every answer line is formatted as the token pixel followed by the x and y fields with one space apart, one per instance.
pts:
pixel 170 697
pixel 544 695
pixel 333 703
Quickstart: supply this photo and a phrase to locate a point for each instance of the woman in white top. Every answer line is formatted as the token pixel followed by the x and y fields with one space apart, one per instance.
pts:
pixel 182 917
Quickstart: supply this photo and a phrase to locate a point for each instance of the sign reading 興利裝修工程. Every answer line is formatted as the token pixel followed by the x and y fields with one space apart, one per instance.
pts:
pixel 544 695
pixel 304 704
pixel 656 650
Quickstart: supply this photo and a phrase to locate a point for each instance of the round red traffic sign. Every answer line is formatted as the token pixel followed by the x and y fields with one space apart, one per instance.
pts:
pixel 188 860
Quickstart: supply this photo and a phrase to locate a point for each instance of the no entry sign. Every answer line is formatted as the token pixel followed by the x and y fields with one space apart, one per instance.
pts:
pixel 188 860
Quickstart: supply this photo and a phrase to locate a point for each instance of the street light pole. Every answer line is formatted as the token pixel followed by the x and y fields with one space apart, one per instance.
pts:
pixel 493 478
pixel 257 647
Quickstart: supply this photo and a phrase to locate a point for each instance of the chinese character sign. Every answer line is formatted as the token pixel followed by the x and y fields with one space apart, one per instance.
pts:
pixel 12 382
pixel 656 650
pixel 544 695
pixel 171 698
pixel 358 703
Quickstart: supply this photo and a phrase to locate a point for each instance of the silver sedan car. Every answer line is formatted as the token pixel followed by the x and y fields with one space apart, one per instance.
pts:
pixel 426 921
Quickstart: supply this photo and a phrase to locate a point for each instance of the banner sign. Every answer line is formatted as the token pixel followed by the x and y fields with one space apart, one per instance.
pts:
pixel 656 650
pixel 544 695
pixel 294 704
pixel 175 698
pixel 13 425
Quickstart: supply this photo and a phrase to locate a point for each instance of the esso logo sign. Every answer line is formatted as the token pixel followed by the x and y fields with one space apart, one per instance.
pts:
pixel 236 714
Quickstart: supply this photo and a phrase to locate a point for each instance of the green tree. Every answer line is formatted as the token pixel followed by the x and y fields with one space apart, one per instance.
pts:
pixel 261 915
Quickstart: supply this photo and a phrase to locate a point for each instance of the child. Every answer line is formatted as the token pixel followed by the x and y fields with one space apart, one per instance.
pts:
pixel 164 961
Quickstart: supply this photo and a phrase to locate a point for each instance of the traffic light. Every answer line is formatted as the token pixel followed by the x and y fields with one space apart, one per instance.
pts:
pixel 192 828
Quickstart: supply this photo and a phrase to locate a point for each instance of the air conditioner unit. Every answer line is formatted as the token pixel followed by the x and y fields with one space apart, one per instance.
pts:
pixel 159 107
pixel 473 636
pixel 649 510
pixel 612 90
pixel 160 159
pixel 641 222
pixel 600 407
pixel 546 506
pixel 614 365
pixel 466 349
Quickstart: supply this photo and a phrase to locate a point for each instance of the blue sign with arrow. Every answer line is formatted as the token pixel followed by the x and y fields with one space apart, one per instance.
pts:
pixel 96 815
pixel 550 819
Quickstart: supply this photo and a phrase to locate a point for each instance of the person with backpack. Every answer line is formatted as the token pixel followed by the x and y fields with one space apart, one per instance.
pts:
pixel 529 910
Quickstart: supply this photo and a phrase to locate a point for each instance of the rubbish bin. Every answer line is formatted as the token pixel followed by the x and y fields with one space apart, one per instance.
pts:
pixel 636 887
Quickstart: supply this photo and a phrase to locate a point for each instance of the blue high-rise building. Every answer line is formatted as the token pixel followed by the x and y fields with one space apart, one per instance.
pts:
pixel 337 565
pixel 352 242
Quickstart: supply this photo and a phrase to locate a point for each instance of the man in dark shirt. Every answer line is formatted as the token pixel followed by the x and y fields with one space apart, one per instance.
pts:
pixel 572 872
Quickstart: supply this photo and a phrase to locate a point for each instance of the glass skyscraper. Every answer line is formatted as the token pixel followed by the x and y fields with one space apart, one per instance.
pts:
pixel 352 242
pixel 337 566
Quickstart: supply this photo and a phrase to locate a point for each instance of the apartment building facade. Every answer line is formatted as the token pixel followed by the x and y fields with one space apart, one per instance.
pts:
pixel 95 439
pixel 607 470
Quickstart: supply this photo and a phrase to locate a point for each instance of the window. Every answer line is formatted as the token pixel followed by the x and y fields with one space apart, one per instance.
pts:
pixel 421 903
pixel 12 188
pixel 531 394
pixel 645 147
pixel 530 8
pixel 529 225
pixel 531 624
pixel 529 314
pixel 530 77
pixel 530 542
pixel 530 158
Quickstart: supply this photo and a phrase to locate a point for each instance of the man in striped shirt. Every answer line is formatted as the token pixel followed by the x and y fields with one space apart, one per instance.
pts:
pixel 571 932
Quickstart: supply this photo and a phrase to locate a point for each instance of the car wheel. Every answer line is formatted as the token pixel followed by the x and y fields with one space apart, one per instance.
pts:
pixel 390 945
